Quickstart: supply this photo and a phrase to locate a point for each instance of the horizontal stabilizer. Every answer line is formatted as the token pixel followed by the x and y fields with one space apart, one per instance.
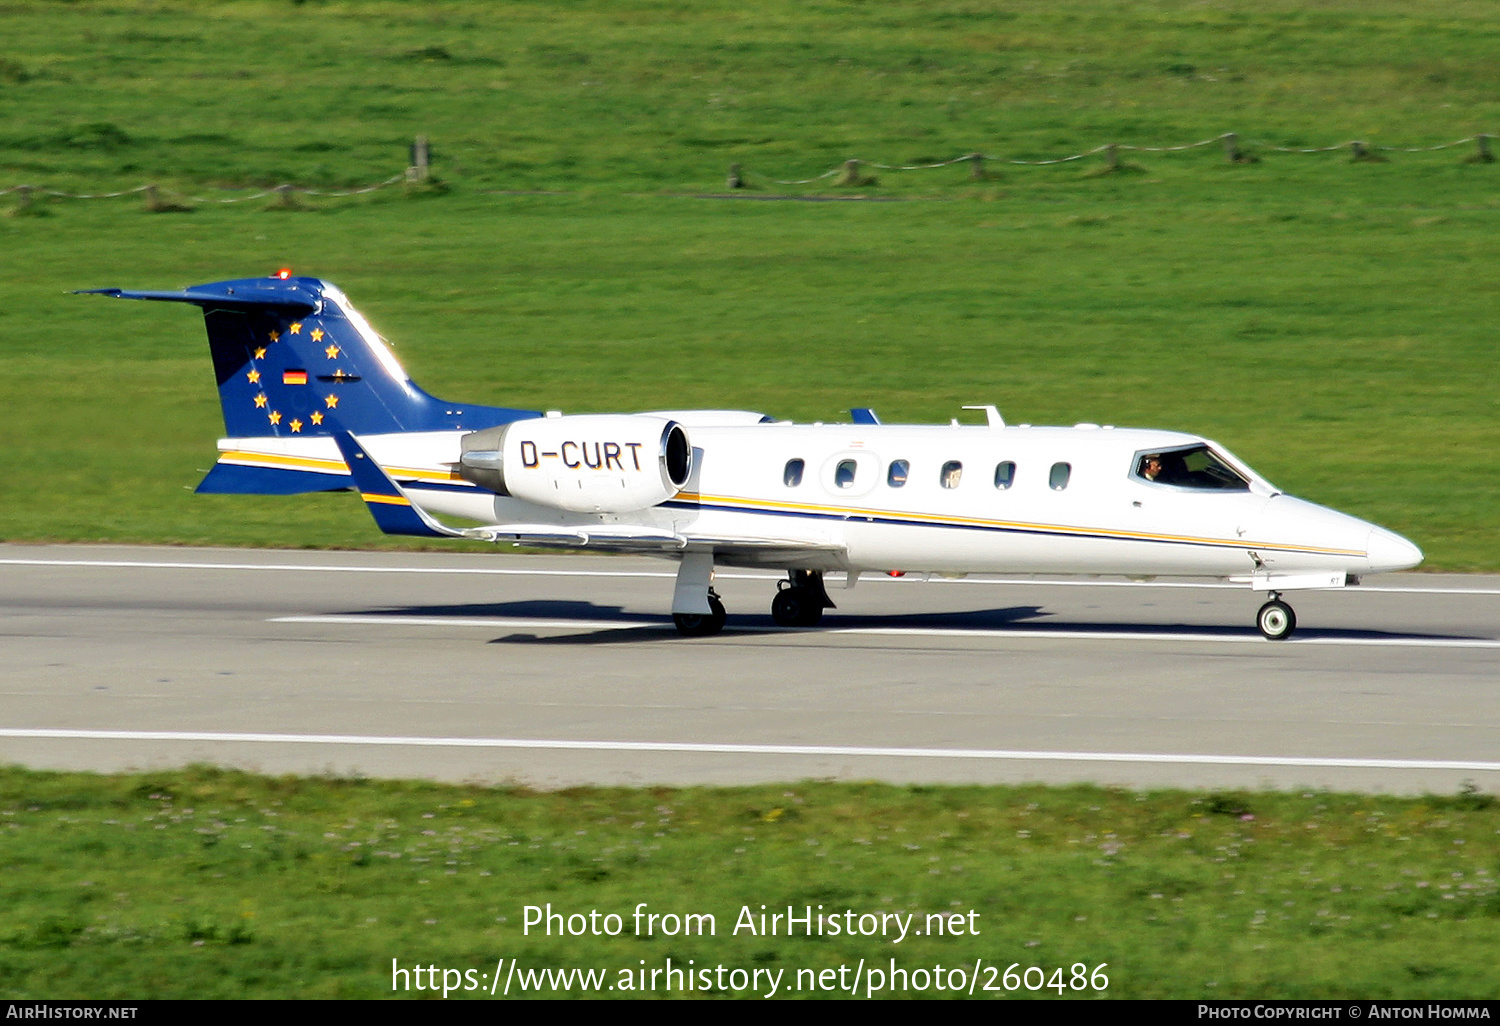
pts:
pixel 237 479
pixel 246 294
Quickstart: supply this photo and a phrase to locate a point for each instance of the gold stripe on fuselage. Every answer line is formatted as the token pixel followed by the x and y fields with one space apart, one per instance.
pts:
pixel 282 462
pixel 940 520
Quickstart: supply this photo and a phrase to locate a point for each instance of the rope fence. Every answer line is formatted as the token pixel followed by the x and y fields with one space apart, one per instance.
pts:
pixel 161 199
pixel 848 173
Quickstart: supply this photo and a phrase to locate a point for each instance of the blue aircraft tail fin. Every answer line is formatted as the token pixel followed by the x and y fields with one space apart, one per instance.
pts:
pixel 290 356
pixel 289 352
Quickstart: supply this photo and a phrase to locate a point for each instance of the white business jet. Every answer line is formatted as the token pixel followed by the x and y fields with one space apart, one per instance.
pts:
pixel 314 400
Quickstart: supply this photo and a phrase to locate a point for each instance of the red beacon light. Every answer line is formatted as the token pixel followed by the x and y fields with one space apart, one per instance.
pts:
pixel 284 273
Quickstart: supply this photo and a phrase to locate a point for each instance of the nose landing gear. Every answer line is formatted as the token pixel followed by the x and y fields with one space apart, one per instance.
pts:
pixel 1276 619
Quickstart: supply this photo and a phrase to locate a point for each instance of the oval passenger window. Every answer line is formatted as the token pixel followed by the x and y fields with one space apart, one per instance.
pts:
pixel 1005 474
pixel 792 475
pixel 1058 479
pixel 843 477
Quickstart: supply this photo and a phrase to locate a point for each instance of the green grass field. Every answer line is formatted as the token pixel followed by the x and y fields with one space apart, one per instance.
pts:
pixel 204 883
pixel 655 94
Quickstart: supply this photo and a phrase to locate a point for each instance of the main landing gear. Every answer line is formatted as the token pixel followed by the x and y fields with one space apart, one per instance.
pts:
pixel 1276 619
pixel 696 609
pixel 699 625
pixel 800 599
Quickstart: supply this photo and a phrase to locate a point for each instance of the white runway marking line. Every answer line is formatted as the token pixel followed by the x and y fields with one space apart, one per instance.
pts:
pixel 316 568
pixel 914 578
pixel 1019 633
pixel 742 749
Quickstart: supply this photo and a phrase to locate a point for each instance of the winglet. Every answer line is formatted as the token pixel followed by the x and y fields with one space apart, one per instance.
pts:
pixel 394 513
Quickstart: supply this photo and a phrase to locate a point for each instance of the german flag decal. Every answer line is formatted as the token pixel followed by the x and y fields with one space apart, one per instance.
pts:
pixel 294 377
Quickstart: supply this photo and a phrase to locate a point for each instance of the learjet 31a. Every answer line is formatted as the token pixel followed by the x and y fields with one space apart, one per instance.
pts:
pixel 314 400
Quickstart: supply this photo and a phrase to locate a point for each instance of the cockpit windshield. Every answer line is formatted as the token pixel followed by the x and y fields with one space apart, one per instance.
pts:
pixel 1194 467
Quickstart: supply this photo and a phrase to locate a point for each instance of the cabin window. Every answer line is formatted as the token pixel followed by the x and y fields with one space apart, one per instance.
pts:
pixel 953 470
pixel 1196 467
pixel 896 476
pixel 1005 475
pixel 843 475
pixel 1058 479
pixel 792 475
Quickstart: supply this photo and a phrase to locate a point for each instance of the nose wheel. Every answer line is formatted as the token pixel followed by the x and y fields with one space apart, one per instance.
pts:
pixel 1276 619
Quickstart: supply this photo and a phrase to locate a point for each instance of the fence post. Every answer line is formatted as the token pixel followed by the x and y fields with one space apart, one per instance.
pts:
pixel 23 198
pixel 736 178
pixel 153 202
pixel 850 175
pixel 419 160
pixel 1232 148
pixel 1484 156
pixel 1112 156
pixel 976 167
pixel 284 196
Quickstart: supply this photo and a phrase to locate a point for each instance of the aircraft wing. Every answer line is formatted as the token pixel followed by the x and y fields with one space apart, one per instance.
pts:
pixel 395 513
pixel 623 538
pixel 764 551
pixel 612 538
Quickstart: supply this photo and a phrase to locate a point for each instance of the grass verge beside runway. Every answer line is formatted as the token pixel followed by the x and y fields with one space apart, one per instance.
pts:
pixel 208 883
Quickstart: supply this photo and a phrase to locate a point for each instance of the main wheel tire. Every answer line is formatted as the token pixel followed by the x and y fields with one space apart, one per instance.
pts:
pixel 1276 620
pixel 699 625
pixel 789 607
pixel 796 607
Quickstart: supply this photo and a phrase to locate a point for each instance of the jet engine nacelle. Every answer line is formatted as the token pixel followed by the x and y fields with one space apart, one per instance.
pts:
pixel 584 464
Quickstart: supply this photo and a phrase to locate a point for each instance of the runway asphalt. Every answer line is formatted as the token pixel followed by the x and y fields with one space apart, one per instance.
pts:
pixel 562 670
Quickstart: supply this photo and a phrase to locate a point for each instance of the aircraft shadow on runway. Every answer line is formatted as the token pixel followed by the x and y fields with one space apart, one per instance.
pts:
pixel 634 626
pixel 751 625
pixel 528 609
pixel 628 627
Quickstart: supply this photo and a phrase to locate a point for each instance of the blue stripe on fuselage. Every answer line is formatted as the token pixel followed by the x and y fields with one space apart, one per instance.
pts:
pixel 890 520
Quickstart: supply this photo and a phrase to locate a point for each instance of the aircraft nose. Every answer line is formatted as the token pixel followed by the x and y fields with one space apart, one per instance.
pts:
pixel 1389 551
